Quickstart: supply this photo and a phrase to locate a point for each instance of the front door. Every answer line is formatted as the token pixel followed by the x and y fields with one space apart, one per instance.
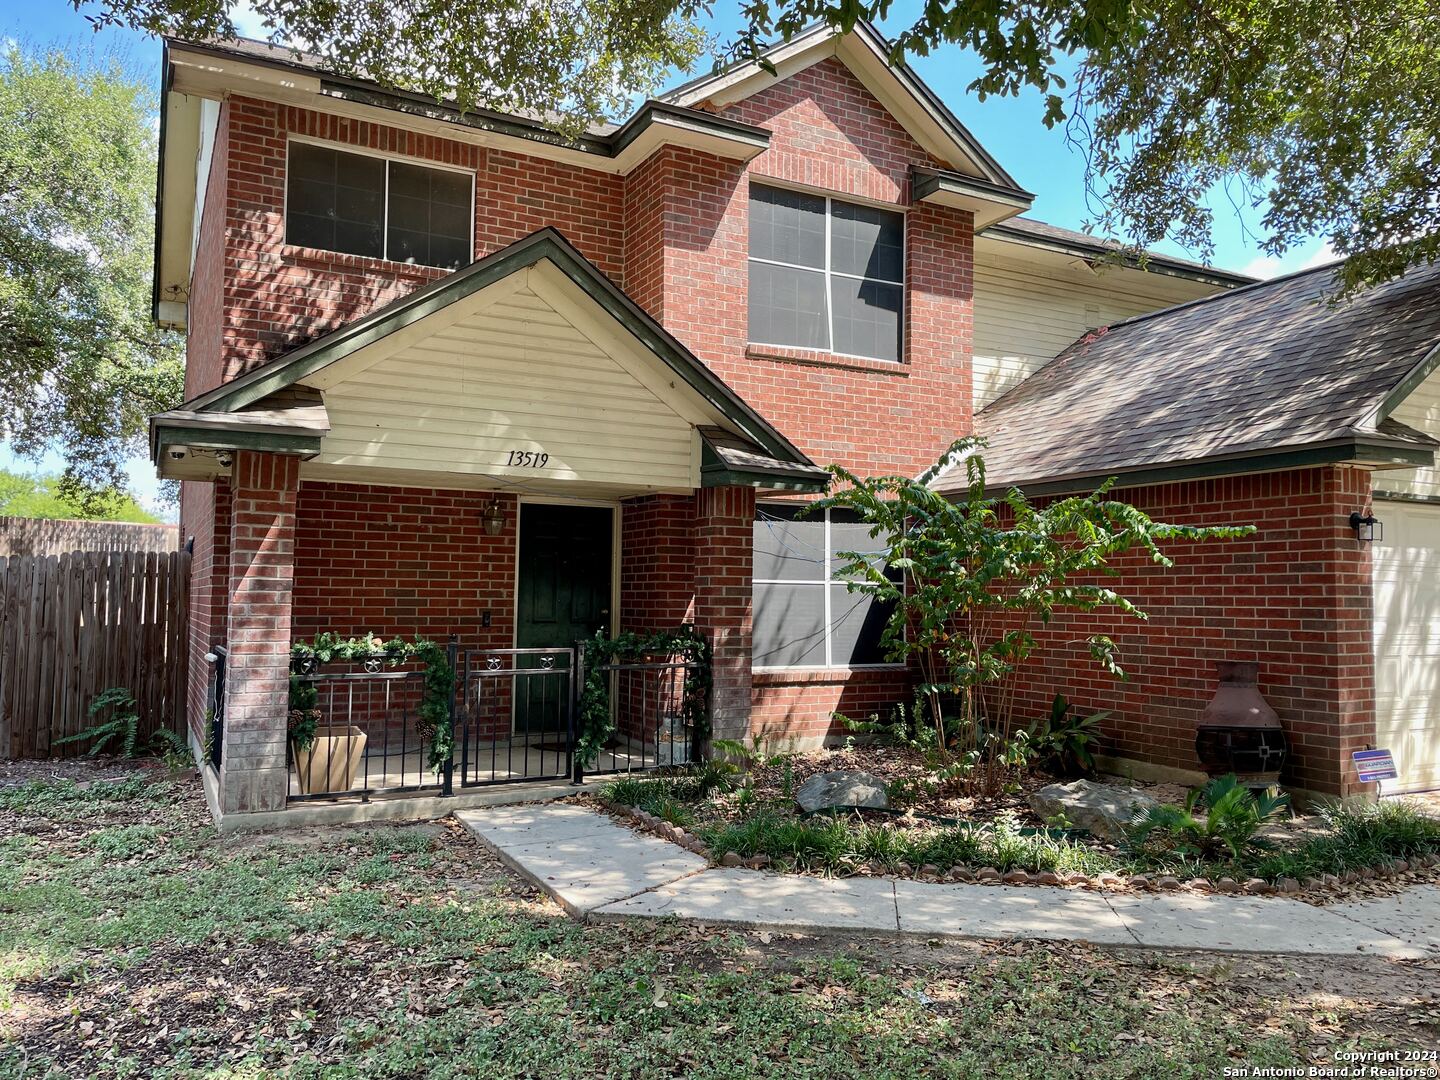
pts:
pixel 566 559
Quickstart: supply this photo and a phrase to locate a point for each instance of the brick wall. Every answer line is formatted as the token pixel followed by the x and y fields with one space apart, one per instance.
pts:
pixel 724 520
pixel 279 295
pixel 258 598
pixel 205 517
pixel 657 563
pixel 406 562
pixel 1295 597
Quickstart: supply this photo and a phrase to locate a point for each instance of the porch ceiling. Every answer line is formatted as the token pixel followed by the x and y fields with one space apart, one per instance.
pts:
pixel 527 371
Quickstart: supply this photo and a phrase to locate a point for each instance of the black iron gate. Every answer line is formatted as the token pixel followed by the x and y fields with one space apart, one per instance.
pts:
pixel 516 719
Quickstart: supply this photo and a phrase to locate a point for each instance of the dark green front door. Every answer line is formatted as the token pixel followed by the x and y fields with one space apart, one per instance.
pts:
pixel 566 555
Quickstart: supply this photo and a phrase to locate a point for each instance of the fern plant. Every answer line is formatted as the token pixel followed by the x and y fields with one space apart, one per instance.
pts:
pixel 123 723
pixel 1233 815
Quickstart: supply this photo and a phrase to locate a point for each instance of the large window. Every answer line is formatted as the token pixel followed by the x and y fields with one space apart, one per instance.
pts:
pixel 804 613
pixel 365 205
pixel 825 274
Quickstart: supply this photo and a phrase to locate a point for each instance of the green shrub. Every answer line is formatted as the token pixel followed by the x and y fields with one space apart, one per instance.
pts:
pixel 1233 816
pixel 1064 742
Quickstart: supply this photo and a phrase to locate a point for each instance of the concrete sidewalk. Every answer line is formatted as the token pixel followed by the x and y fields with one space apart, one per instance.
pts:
pixel 598 869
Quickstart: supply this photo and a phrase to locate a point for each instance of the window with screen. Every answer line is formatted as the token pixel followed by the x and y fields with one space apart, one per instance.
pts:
pixel 825 274
pixel 804 612
pixel 364 205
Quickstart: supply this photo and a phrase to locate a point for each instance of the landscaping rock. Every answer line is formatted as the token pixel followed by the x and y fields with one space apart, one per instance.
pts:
pixel 757 862
pixel 1077 878
pixel 1227 885
pixel 1289 885
pixel 1016 877
pixel 1139 881
pixel 1047 877
pixel 1167 883
pixel 1201 884
pixel 1100 809
pixel 731 858
pixel 842 789
pixel 1258 886
pixel 987 873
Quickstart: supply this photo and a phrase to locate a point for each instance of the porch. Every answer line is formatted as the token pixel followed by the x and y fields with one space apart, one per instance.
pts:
pixel 515 464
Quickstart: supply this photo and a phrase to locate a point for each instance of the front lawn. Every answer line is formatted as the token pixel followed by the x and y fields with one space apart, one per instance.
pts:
pixel 134 942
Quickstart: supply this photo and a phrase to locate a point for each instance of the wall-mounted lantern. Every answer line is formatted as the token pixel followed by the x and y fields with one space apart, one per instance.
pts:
pixel 493 518
pixel 1367 527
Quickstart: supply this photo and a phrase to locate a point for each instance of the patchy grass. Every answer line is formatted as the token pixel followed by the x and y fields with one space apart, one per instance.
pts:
pixel 134 942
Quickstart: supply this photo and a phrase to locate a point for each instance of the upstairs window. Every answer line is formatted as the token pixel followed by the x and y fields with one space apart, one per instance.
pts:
pixel 825 274
pixel 365 205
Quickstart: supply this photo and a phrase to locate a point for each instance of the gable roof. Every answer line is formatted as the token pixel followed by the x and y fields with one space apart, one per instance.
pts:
pixel 866 52
pixel 266 383
pixel 1270 375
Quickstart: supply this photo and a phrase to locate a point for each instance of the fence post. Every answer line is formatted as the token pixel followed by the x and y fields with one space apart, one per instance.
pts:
pixel 452 654
pixel 577 690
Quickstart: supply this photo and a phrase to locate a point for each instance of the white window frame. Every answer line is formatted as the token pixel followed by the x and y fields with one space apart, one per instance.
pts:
pixel 823 583
pixel 831 274
pixel 404 159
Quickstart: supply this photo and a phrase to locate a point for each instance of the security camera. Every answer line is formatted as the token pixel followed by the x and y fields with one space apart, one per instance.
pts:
pixel 179 453
pixel 224 458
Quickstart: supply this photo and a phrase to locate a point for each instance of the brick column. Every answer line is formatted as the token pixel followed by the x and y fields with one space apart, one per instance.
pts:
pixel 253 774
pixel 724 522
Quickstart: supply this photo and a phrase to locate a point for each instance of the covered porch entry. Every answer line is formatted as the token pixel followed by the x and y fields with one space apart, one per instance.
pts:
pixel 505 464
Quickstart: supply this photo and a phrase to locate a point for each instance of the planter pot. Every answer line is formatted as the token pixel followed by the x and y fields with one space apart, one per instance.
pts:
pixel 331 762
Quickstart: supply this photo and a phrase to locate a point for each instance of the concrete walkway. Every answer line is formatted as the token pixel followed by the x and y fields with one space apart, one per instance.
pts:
pixel 598 869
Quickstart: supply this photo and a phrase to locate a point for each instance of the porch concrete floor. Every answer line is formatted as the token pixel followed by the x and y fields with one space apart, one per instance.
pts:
pixel 598 869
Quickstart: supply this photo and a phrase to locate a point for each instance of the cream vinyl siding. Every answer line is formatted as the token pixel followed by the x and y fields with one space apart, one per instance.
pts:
pixel 1421 411
pixel 1406 563
pixel 517 375
pixel 1028 310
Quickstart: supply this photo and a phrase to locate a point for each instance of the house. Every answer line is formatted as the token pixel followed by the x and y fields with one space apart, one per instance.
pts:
pixel 452 376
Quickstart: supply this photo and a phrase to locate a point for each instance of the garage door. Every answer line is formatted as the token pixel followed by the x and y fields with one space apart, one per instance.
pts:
pixel 1407 642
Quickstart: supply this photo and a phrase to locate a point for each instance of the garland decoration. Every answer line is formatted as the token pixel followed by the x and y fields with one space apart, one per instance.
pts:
pixel 373 651
pixel 597 719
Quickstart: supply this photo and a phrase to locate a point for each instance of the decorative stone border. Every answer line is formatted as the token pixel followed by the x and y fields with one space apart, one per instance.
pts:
pixel 1323 887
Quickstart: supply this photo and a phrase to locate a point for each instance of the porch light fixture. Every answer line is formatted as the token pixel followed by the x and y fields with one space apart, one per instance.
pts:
pixel 493 518
pixel 1367 527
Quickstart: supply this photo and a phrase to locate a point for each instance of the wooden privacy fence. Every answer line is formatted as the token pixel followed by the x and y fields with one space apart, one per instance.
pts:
pixel 73 625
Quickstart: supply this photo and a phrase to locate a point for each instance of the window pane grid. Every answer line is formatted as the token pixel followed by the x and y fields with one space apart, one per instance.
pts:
pixel 852 303
pixel 805 615
pixel 362 204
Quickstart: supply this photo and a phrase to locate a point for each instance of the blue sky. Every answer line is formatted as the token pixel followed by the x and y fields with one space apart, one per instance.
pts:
pixel 1009 128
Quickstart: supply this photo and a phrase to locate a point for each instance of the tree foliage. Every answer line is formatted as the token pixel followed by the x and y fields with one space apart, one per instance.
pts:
pixel 575 61
pixel 46 497
pixel 81 364
pixel 1325 111
pixel 970 582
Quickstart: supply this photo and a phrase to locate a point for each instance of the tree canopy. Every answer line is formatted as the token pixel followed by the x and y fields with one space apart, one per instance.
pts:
pixel 81 364
pixel 43 496
pixel 1324 112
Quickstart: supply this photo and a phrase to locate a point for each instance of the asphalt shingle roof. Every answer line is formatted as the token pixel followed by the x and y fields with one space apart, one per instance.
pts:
pixel 1267 367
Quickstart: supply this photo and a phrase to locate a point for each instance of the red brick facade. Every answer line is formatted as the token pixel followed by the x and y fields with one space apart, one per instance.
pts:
pixel 1295 597
pixel 674 235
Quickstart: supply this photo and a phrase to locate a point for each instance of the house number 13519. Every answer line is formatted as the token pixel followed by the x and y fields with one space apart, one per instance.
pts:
pixel 527 459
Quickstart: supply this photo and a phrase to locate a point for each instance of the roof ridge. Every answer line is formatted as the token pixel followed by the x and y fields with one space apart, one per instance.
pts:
pixel 1264 283
pixel 1185 305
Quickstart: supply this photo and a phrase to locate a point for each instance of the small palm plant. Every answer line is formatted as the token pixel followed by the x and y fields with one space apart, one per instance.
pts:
pixel 1233 815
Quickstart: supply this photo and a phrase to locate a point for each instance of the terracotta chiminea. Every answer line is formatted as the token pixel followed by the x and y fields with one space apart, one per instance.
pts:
pixel 1238 732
